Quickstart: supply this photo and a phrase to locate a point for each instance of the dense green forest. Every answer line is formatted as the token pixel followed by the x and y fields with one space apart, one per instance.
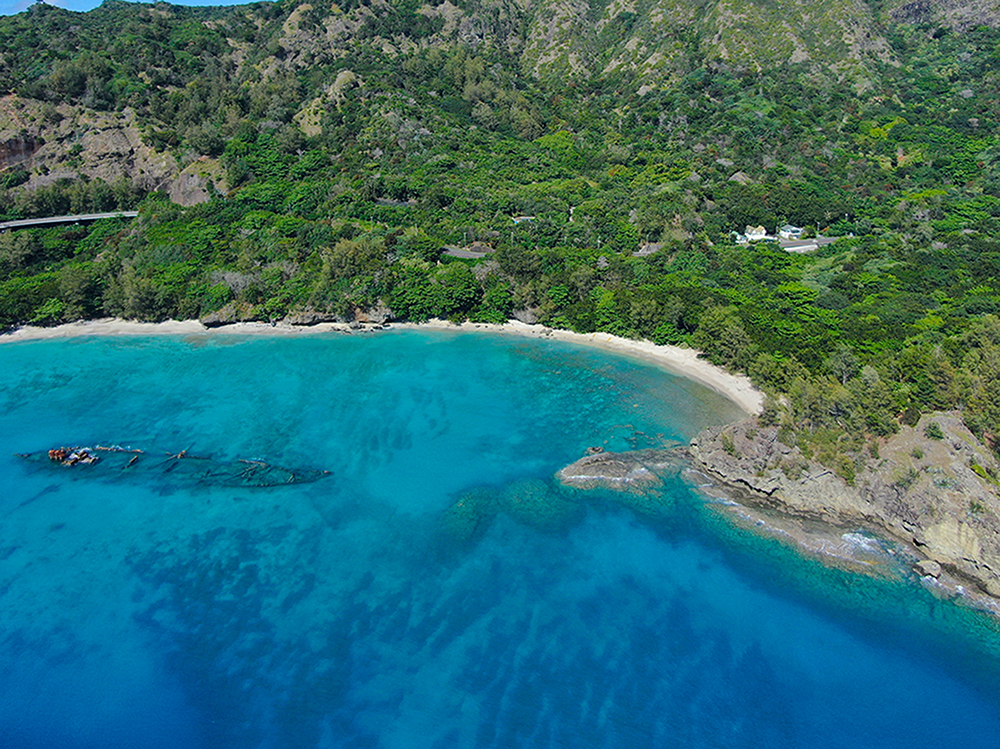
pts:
pixel 342 172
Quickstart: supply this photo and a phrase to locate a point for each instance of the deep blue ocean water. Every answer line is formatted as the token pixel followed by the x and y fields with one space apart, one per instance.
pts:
pixel 150 611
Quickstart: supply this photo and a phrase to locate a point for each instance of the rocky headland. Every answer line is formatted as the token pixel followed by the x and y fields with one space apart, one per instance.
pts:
pixel 932 488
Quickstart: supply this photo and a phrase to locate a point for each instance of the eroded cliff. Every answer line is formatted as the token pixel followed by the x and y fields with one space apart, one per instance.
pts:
pixel 932 487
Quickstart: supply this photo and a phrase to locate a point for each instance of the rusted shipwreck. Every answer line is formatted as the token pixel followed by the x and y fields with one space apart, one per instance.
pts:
pixel 115 461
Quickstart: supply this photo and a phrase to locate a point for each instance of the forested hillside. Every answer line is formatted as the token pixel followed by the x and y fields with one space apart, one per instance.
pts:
pixel 291 161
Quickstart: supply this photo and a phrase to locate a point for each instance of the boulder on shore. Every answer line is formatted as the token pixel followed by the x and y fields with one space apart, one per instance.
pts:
pixel 309 317
pixel 928 568
pixel 231 313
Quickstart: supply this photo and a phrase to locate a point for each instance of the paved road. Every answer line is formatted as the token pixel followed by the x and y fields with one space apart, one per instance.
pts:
pixel 27 223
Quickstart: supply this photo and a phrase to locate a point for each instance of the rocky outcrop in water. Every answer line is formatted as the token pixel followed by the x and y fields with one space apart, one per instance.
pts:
pixel 635 479
pixel 938 493
pixel 533 503
pixel 633 471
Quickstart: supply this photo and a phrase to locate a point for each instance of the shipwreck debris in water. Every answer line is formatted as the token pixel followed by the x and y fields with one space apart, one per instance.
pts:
pixel 115 461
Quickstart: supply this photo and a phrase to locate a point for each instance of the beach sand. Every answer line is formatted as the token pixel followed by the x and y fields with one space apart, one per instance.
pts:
pixel 681 361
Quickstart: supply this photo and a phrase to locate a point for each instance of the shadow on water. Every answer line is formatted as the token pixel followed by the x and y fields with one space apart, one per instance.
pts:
pixel 50 489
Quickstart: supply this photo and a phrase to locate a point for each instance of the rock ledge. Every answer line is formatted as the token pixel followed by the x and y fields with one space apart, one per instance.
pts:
pixel 938 496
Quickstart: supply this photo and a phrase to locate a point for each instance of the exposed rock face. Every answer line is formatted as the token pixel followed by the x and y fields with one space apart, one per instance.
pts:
pixel 309 317
pixel 961 15
pixel 232 313
pixel 928 568
pixel 527 316
pixel 14 151
pixel 69 142
pixel 198 182
pixel 377 315
pixel 938 495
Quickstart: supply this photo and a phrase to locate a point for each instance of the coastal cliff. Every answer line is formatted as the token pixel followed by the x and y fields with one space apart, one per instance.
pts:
pixel 932 486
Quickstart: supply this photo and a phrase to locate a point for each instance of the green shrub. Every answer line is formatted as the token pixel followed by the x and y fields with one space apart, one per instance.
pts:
pixel 727 444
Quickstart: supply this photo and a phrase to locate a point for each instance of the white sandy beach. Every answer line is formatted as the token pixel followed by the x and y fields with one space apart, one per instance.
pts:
pixel 680 361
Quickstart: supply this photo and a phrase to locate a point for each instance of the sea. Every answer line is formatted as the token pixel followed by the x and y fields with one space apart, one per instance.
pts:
pixel 438 587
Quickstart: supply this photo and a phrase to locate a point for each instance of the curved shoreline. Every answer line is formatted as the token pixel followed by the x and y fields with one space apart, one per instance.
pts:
pixel 680 361
pixel 674 359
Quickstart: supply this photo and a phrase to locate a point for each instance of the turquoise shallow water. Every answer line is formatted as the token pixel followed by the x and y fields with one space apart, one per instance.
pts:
pixel 150 611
